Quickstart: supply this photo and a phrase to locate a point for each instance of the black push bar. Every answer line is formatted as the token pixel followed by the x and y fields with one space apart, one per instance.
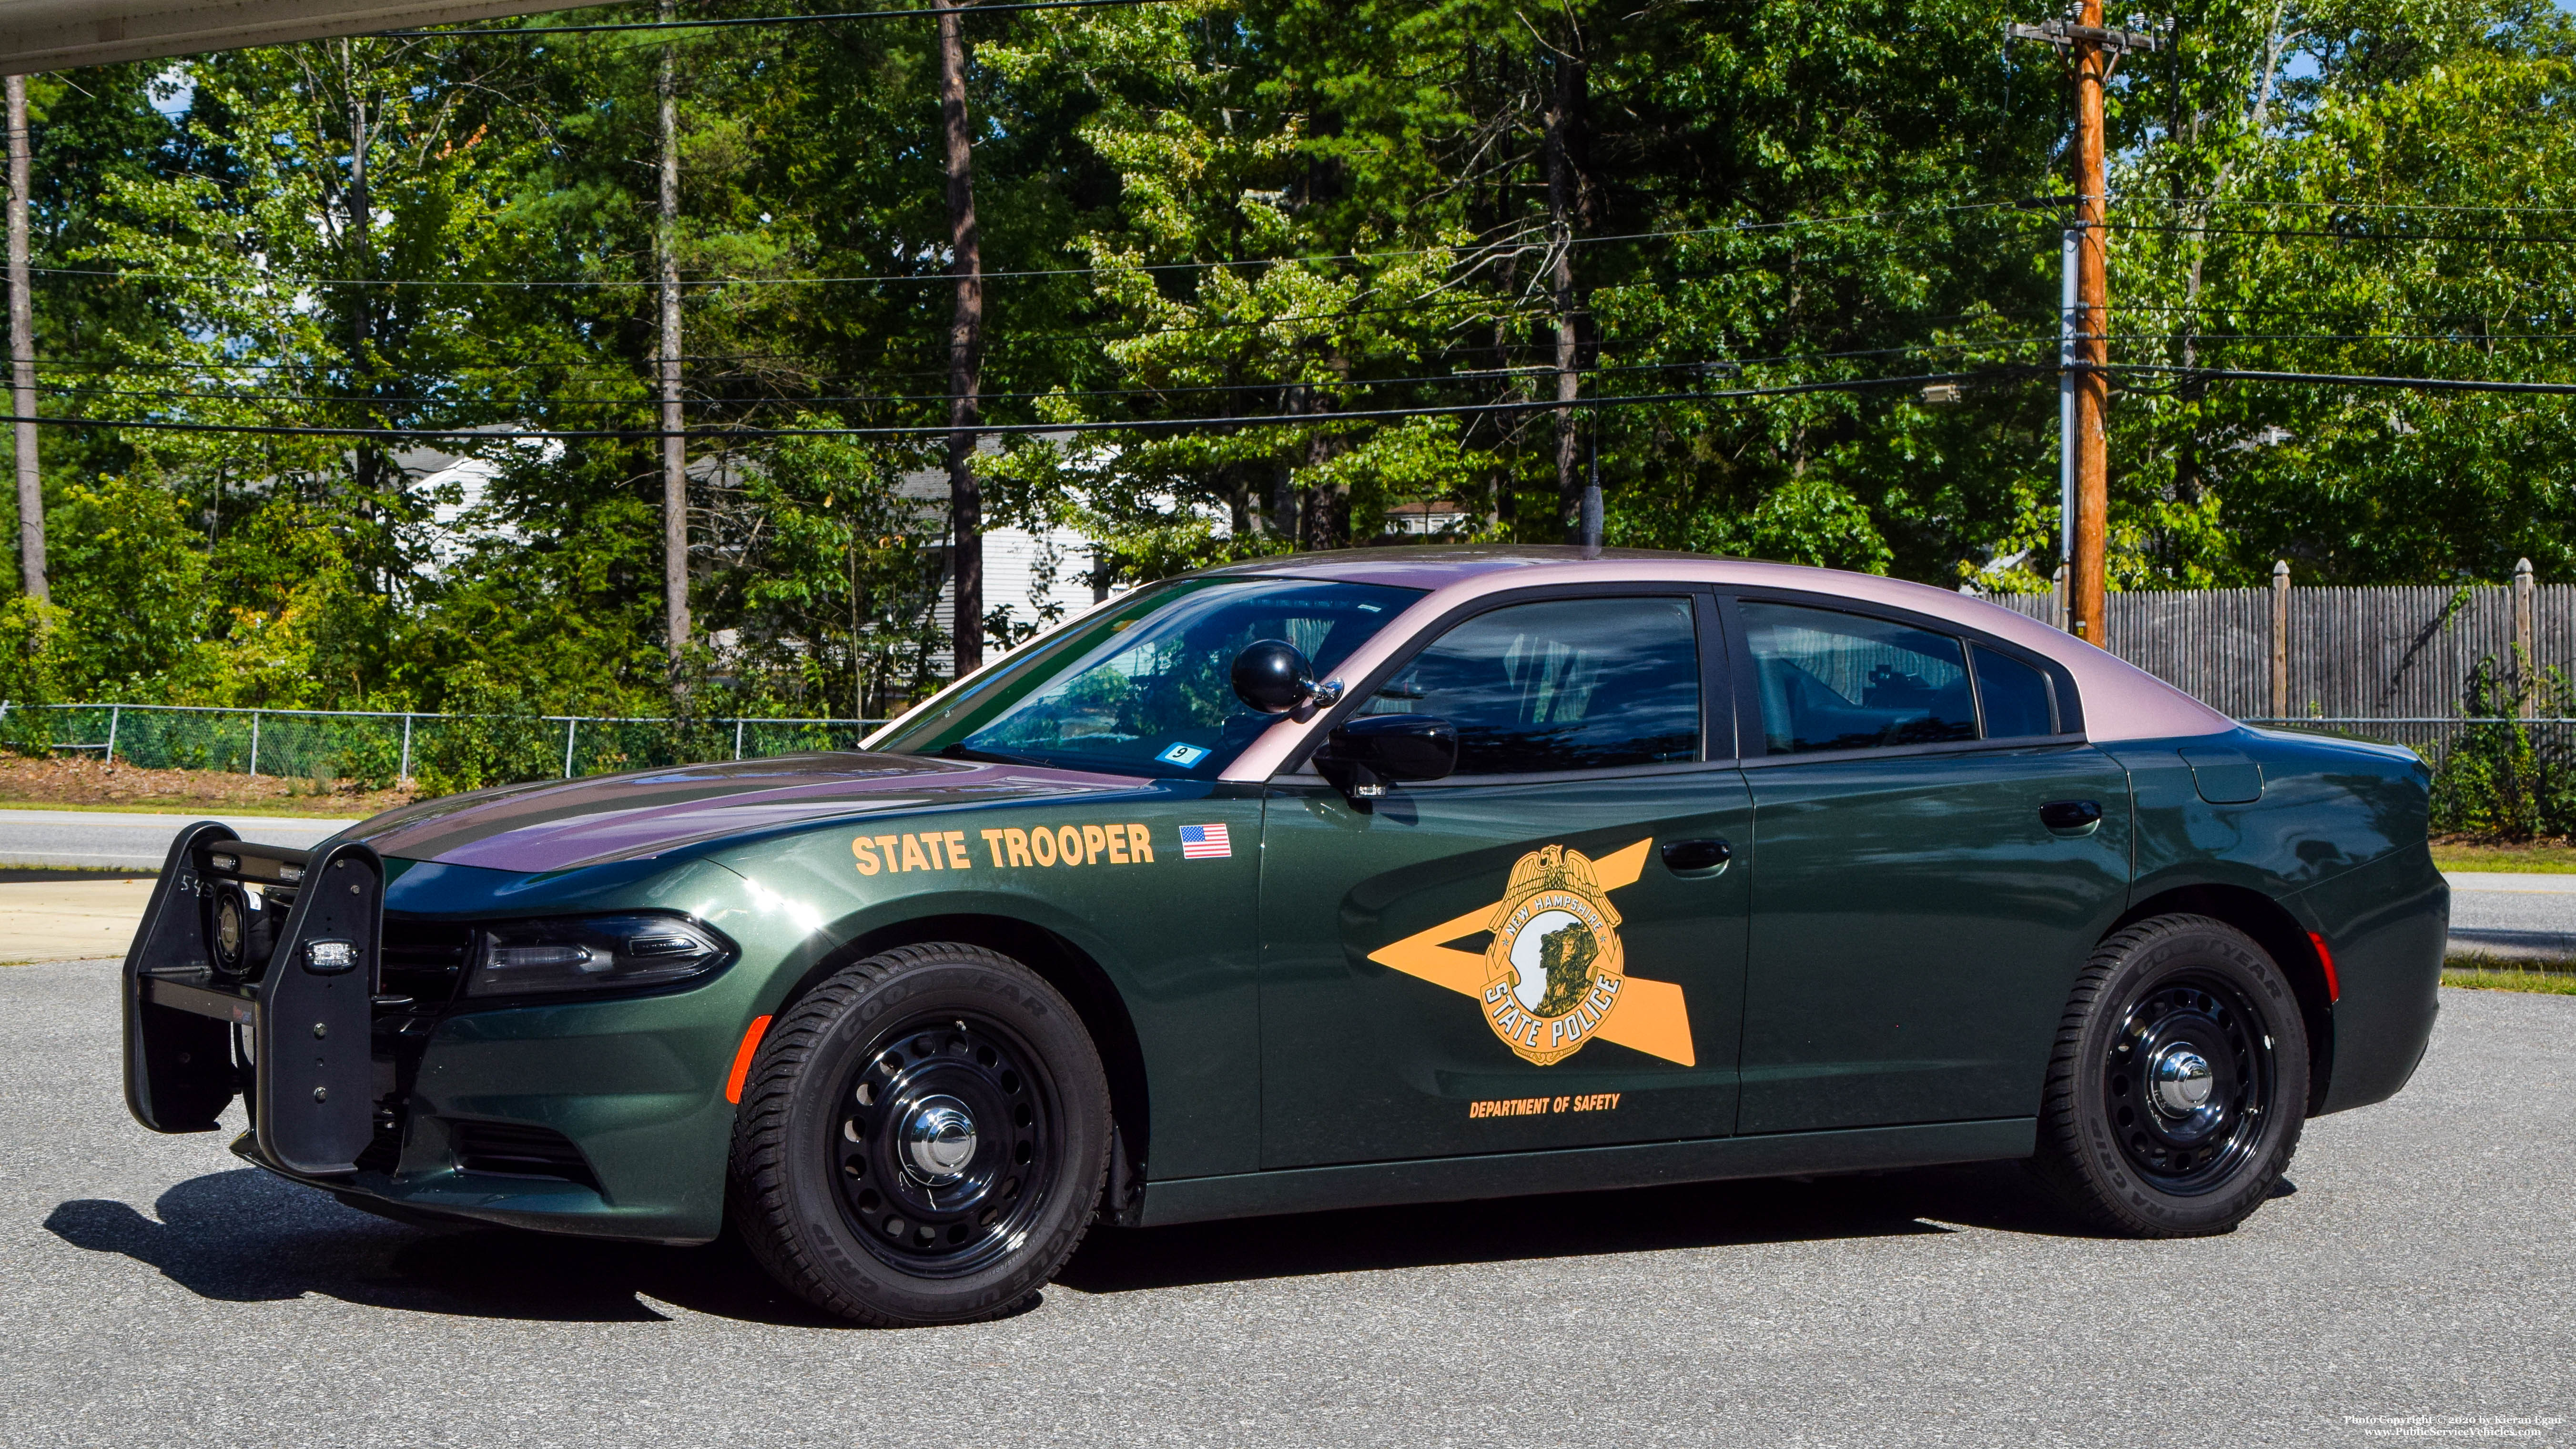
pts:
pixel 189 985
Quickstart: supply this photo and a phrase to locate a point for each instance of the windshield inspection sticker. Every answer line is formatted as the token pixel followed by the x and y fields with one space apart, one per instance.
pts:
pixel 1182 755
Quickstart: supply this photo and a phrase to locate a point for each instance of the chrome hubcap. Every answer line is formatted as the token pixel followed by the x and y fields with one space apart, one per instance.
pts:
pixel 938 1139
pixel 2180 1081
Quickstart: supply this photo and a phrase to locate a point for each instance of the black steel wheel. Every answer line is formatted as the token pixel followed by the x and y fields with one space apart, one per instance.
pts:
pixel 922 1138
pixel 2178 1089
pixel 950 1143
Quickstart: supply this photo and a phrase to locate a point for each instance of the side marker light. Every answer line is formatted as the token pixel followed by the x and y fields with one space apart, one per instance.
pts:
pixel 2325 958
pixel 742 1059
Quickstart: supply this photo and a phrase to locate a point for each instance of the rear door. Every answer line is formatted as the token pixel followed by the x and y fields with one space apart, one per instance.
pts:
pixel 1917 920
pixel 1541 950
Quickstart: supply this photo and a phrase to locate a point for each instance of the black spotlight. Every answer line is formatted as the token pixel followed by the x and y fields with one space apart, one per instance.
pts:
pixel 228 940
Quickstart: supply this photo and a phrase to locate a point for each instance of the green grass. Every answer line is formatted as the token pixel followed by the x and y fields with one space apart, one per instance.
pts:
pixel 2535 857
pixel 312 807
pixel 2554 983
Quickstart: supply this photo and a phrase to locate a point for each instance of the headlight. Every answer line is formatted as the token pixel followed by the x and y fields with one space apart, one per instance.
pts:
pixel 593 953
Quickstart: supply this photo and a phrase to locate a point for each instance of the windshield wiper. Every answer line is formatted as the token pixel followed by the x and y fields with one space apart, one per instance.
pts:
pixel 962 752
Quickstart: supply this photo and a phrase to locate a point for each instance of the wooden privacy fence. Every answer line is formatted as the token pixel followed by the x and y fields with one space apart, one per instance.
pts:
pixel 2399 657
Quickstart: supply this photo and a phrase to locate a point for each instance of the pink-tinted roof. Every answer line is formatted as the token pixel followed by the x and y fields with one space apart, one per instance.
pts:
pixel 2121 701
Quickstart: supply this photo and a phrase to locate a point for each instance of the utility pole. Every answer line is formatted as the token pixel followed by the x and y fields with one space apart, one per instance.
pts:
pixel 1571 202
pixel 675 445
pixel 965 349
pixel 2084 349
pixel 22 355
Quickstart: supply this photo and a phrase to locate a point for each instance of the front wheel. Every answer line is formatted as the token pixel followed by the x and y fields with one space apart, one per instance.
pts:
pixel 922 1138
pixel 2179 1084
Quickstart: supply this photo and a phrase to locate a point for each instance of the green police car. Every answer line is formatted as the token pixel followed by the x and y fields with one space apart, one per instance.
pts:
pixel 1395 875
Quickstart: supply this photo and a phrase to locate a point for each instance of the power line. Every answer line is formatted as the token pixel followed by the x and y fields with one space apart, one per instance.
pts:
pixel 2321 234
pixel 1478 251
pixel 2344 379
pixel 2145 200
pixel 1531 371
pixel 941 430
pixel 908 14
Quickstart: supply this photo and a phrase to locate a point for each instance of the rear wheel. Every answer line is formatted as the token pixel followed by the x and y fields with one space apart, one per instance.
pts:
pixel 922 1138
pixel 2179 1084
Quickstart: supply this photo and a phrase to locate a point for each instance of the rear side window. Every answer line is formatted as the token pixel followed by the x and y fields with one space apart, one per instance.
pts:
pixel 1834 681
pixel 2016 697
pixel 1569 684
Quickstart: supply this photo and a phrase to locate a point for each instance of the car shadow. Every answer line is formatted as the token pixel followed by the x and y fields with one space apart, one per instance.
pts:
pixel 244 1236
pixel 1695 1215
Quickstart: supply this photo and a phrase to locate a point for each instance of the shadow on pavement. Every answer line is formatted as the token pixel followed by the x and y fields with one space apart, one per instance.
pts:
pixel 1696 1215
pixel 246 1237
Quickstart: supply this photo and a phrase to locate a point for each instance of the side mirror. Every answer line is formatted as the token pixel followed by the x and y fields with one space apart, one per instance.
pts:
pixel 1363 754
pixel 1272 676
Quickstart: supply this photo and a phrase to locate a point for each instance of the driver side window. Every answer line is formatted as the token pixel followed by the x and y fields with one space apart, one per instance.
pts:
pixel 1568 684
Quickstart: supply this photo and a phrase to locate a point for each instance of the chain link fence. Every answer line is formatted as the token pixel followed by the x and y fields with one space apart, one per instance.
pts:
pixel 442 751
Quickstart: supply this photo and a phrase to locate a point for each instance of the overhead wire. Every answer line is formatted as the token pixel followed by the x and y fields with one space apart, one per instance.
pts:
pixel 489 434
pixel 1471 249
pixel 728 22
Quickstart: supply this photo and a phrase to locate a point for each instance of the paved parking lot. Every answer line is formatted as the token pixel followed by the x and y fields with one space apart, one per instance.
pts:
pixel 155 1292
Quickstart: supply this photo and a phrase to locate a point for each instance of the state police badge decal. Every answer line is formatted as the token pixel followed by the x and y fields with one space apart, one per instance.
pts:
pixel 1554 968
pixel 1554 974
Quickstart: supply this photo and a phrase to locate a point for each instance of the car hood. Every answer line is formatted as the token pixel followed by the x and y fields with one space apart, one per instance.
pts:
pixel 562 825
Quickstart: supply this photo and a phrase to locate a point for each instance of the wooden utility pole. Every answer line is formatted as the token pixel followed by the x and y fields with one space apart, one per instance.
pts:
pixel 675 444
pixel 2091 52
pixel 2093 340
pixel 965 349
pixel 22 355
pixel 1569 208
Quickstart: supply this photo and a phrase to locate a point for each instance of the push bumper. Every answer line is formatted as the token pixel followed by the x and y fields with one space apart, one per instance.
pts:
pixel 603 1117
pixel 304 1019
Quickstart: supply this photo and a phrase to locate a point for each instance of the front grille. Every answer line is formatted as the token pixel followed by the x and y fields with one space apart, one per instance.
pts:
pixel 516 1149
pixel 424 960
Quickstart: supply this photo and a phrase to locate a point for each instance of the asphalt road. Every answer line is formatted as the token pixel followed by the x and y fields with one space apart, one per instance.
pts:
pixel 155 1291
pixel 2519 914
pixel 114 840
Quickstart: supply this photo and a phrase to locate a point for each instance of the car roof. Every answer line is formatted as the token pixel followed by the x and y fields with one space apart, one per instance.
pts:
pixel 2121 701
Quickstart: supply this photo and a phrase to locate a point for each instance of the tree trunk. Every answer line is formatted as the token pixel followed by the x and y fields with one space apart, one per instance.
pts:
pixel 965 349
pixel 22 355
pixel 675 445
pixel 1567 208
pixel 366 459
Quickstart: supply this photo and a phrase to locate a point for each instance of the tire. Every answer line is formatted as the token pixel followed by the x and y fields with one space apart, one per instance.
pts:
pixel 922 1139
pixel 2134 1139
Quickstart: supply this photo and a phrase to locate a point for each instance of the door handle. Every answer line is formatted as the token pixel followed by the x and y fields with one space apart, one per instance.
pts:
pixel 1697 857
pixel 2070 815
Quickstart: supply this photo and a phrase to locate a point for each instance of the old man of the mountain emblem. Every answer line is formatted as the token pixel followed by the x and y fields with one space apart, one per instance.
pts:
pixel 1554 969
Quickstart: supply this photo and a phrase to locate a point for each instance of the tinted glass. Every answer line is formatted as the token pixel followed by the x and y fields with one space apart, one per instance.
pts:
pixel 1845 682
pixel 1572 684
pixel 2015 696
pixel 1145 687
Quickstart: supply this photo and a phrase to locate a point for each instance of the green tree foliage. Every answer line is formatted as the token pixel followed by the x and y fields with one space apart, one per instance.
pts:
pixel 1400 223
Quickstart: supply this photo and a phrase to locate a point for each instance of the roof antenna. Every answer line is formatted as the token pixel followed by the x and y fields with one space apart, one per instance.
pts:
pixel 1592 497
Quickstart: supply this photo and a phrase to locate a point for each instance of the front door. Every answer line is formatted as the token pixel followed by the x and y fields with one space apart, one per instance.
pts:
pixel 1542 950
pixel 1918 920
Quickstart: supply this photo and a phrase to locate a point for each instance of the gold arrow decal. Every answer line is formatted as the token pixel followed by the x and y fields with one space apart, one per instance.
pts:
pixel 1650 1017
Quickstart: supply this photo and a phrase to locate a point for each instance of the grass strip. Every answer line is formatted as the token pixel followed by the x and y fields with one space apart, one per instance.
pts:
pixel 2537 857
pixel 2552 983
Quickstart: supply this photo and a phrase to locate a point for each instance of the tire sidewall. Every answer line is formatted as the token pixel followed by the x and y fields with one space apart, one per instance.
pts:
pixel 1016 999
pixel 2210 948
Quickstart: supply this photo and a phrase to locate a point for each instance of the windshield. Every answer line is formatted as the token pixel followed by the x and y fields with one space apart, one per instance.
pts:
pixel 1145 687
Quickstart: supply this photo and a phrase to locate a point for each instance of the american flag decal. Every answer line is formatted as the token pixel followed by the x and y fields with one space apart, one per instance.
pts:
pixel 1205 842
